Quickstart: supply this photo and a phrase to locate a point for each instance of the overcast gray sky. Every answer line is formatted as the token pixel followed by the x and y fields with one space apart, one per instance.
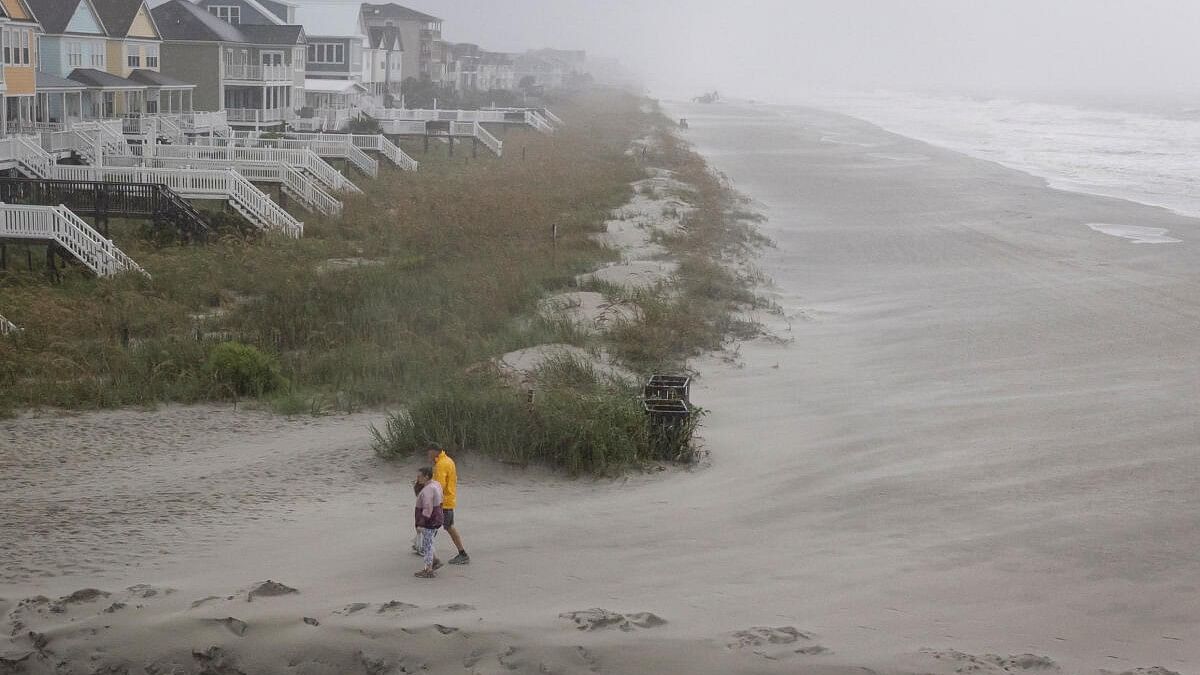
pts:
pixel 757 47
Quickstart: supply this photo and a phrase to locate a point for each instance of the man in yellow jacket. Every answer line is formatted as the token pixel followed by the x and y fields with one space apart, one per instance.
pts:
pixel 445 473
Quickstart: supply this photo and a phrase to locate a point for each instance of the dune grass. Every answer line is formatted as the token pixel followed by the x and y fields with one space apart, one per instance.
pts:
pixel 396 303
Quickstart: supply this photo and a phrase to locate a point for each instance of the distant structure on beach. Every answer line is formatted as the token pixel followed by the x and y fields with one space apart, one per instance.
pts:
pixel 710 97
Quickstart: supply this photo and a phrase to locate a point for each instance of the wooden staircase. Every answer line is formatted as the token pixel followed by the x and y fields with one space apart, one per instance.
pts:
pixel 58 225
pixel 229 151
pixel 224 184
pixel 294 183
pixel 102 200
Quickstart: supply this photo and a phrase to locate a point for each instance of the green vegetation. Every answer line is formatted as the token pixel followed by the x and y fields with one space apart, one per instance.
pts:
pixel 242 369
pixel 398 303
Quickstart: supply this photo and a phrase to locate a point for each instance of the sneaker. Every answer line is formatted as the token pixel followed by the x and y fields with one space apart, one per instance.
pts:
pixel 425 574
pixel 461 559
pixel 417 552
pixel 437 564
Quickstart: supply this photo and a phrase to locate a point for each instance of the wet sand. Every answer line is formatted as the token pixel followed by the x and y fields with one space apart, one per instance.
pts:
pixel 975 449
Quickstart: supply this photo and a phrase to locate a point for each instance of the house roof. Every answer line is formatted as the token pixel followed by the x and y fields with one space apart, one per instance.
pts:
pixel 329 19
pixel 153 78
pixel 182 20
pixel 48 82
pixel 273 34
pixel 54 15
pixel 385 37
pixel 24 6
pixel 117 15
pixel 101 80
pixel 393 11
pixel 266 13
pixel 333 86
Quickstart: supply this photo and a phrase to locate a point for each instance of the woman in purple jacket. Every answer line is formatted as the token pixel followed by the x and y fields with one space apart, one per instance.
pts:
pixel 429 519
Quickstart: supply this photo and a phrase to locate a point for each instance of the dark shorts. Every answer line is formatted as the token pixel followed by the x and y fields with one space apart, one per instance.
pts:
pixel 449 517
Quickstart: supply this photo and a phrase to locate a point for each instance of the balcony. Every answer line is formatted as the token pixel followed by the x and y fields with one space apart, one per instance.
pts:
pixel 245 116
pixel 255 73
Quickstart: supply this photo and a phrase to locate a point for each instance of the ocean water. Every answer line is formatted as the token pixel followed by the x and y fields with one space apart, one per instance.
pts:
pixel 1147 157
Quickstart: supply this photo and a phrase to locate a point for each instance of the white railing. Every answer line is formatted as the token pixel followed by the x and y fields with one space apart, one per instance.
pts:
pixel 535 120
pixel 7 327
pixel 204 122
pixel 31 159
pixel 257 116
pixel 226 185
pixel 298 185
pixel 259 73
pixel 59 141
pixel 403 127
pixel 110 132
pixel 301 187
pixel 263 150
pixel 475 129
pixel 60 225
pixel 374 142
pixel 168 127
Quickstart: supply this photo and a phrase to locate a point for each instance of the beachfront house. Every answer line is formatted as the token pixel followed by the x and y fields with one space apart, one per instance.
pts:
pixel 496 72
pixel 339 81
pixel 132 43
pixel 251 12
pixel 463 68
pixel 250 71
pixel 385 59
pixel 19 32
pixel 416 31
pixel 72 37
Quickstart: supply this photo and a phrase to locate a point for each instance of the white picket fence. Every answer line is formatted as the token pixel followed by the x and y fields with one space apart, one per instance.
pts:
pixel 59 225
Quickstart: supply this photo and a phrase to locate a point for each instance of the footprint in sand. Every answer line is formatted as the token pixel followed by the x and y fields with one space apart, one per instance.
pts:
pixel 1154 670
pixel 994 663
pixel 597 619
pixel 269 589
pixel 775 642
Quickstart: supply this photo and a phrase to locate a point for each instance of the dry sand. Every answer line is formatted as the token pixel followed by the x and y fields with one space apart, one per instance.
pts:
pixel 978 453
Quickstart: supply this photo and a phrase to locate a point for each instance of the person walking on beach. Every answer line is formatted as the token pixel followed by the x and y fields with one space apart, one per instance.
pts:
pixel 429 519
pixel 446 474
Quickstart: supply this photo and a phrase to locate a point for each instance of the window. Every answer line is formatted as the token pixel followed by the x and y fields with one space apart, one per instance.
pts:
pixel 230 13
pixel 152 56
pixel 133 56
pixel 326 52
pixel 74 54
pixel 97 57
pixel 16 42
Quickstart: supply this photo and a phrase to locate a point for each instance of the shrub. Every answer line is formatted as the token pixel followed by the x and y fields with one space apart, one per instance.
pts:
pixel 243 369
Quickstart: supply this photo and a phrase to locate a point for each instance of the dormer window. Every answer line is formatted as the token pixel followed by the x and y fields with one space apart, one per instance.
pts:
pixel 228 13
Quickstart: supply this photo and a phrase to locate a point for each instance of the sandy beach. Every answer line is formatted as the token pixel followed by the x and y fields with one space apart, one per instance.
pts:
pixel 971 444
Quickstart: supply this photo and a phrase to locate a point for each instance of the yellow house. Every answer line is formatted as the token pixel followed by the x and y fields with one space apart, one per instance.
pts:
pixel 18 42
pixel 133 45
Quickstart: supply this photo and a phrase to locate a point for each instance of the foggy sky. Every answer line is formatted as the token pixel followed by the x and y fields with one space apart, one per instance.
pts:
pixel 770 47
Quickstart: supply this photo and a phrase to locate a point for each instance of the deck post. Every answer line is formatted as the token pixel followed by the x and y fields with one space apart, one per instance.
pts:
pixel 451 137
pixel 427 143
pixel 3 257
pixel 474 147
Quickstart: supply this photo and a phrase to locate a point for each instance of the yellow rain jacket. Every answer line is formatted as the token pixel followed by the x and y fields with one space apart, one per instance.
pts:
pixel 446 475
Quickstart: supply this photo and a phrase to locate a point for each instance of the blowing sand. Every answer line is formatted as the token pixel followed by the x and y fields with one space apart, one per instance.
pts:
pixel 977 453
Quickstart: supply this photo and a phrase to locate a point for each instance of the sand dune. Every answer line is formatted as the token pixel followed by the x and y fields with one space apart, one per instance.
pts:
pixel 976 451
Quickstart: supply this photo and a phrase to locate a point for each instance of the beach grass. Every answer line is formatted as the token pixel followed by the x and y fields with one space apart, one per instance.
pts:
pixel 396 303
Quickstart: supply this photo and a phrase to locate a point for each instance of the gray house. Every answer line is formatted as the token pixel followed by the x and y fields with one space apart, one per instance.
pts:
pixel 254 71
